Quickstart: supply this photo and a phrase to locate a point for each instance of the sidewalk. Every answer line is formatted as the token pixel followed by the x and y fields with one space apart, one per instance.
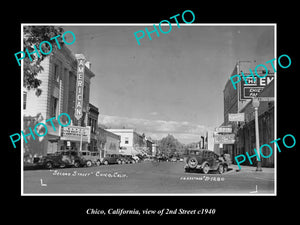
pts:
pixel 251 169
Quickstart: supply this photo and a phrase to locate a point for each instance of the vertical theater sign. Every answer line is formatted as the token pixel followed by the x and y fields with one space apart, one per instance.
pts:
pixel 79 86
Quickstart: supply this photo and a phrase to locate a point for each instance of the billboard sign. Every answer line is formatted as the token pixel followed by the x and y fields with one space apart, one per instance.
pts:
pixel 79 87
pixel 73 133
pixel 253 88
pixel 224 139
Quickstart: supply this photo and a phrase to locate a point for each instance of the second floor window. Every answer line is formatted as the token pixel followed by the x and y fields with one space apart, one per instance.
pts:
pixel 54 106
pixel 56 73
pixel 126 140
pixel 24 99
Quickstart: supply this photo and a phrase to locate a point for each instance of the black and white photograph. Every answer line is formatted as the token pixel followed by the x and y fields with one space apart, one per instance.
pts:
pixel 134 113
pixel 149 109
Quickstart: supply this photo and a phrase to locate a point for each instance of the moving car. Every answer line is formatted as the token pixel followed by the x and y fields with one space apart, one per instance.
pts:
pixel 61 159
pixel 205 160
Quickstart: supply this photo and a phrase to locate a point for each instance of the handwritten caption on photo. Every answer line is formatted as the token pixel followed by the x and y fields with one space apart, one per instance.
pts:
pixel 204 178
pixel 98 173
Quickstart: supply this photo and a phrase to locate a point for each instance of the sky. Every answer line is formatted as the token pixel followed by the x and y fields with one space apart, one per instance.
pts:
pixel 172 84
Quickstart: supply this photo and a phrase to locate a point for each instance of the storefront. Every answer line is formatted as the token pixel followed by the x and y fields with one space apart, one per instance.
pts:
pixel 75 138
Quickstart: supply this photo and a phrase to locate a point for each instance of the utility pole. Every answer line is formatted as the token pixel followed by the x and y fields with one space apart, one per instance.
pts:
pixel 81 129
pixel 255 104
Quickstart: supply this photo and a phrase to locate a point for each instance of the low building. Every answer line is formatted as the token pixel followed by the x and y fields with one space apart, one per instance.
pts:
pixel 131 143
pixel 93 113
pixel 107 142
pixel 149 145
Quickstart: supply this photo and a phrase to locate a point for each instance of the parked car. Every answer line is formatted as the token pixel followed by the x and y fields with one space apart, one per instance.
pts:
pixel 173 159
pixel 137 159
pixel 61 159
pixel 205 160
pixel 162 158
pixel 112 159
pixel 92 158
pixel 129 159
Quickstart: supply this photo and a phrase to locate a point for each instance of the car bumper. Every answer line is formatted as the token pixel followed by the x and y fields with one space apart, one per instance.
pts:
pixel 197 167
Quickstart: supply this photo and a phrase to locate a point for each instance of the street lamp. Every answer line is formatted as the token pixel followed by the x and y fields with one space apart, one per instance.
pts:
pixel 255 104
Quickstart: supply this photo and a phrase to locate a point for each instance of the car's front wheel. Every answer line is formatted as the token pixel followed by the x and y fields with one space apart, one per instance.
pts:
pixel 49 165
pixel 225 168
pixel 205 169
pixel 76 164
pixel 105 162
pixel 89 163
pixel 221 169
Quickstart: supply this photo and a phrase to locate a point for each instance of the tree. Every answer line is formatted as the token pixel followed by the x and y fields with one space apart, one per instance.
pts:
pixel 33 36
pixel 170 146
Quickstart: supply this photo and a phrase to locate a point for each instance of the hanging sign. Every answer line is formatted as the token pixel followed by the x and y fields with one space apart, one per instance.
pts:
pixel 79 87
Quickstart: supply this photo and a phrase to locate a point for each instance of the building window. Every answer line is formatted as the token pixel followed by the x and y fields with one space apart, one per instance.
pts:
pixel 126 140
pixel 54 106
pixel 56 73
pixel 24 99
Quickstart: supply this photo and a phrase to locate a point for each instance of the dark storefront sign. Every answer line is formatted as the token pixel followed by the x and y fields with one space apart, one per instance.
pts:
pixel 253 88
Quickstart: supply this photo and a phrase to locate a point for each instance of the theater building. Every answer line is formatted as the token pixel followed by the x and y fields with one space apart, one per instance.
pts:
pixel 59 89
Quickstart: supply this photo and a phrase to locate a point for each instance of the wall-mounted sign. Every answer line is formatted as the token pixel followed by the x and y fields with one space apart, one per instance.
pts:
pixel 79 87
pixel 224 139
pixel 224 129
pixel 238 117
pixel 253 88
pixel 73 133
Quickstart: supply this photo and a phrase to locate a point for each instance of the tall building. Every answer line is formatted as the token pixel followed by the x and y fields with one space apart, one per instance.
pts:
pixel 239 101
pixel 59 84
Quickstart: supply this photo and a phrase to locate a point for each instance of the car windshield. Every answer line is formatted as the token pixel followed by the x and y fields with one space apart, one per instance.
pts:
pixel 193 152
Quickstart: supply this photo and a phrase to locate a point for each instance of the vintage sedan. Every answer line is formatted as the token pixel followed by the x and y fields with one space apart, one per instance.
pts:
pixel 61 159
pixel 92 158
pixel 112 159
pixel 204 160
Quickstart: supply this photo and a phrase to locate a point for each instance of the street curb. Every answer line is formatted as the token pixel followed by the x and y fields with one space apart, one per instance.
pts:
pixel 252 169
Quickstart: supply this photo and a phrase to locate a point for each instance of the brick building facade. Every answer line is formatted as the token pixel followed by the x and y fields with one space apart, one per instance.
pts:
pixel 245 131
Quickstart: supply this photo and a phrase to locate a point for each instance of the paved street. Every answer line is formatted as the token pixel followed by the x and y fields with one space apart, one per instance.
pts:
pixel 147 177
